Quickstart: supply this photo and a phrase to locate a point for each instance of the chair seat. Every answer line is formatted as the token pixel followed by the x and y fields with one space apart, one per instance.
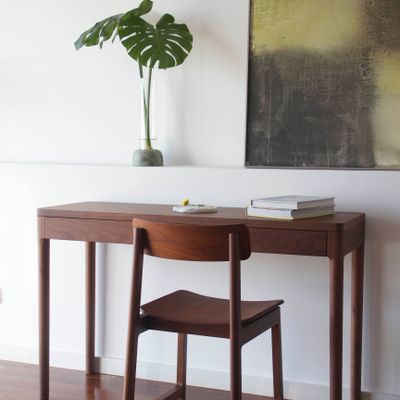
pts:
pixel 184 308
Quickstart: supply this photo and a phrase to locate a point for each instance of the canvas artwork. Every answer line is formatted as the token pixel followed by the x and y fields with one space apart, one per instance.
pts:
pixel 324 84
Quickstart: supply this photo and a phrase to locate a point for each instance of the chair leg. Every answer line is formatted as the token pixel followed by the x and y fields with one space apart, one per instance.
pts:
pixel 130 367
pixel 277 361
pixel 181 364
pixel 236 370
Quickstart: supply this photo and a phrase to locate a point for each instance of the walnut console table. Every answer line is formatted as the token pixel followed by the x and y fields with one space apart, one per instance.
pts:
pixel 332 236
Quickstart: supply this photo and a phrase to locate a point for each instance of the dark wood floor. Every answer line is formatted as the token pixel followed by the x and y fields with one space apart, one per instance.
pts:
pixel 20 382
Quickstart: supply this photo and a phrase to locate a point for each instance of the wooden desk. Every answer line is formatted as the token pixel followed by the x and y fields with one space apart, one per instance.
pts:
pixel 332 236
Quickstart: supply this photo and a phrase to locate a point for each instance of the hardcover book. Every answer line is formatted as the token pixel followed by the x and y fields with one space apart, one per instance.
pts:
pixel 289 214
pixel 293 202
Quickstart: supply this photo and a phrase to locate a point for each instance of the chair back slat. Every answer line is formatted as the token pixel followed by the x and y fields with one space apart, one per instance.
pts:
pixel 192 242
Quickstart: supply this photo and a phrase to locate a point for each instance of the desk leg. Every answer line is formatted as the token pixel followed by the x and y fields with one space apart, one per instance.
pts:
pixel 357 289
pixel 44 317
pixel 90 306
pixel 336 327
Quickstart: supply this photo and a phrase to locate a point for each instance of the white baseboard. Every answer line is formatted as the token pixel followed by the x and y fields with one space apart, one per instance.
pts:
pixel 217 379
pixel 30 355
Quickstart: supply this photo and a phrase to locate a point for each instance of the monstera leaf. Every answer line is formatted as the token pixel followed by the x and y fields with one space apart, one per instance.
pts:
pixel 107 28
pixel 164 45
pixel 99 33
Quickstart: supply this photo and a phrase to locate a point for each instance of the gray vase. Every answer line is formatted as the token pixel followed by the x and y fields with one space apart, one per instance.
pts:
pixel 147 158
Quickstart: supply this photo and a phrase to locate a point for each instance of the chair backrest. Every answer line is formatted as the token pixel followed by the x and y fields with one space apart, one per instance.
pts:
pixel 193 242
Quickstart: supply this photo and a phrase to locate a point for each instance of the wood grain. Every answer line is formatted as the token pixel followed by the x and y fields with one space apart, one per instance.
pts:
pixel 225 215
pixel 357 285
pixel 182 364
pixel 44 316
pixel 134 322
pixel 276 338
pixel 88 230
pixel 20 382
pixel 192 242
pixel 284 241
pixel 185 312
pixel 90 294
pixel 333 236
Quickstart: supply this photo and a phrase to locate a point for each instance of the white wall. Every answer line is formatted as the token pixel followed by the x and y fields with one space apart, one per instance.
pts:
pixel 83 108
pixel 62 107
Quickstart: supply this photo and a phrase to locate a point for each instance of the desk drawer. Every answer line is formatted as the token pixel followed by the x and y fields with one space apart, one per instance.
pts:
pixel 282 241
pixel 279 241
pixel 89 230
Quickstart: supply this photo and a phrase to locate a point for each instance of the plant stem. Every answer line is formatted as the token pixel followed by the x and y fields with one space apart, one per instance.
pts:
pixel 146 100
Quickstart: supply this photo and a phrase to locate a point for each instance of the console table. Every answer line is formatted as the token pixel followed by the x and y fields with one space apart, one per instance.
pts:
pixel 332 236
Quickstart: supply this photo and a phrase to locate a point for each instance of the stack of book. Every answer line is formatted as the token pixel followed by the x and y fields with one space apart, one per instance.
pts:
pixel 291 207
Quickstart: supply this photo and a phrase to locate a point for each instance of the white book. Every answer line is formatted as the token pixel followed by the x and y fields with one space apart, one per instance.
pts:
pixel 281 213
pixel 293 202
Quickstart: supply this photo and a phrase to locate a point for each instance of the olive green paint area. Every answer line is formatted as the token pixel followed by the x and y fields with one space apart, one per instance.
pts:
pixel 324 84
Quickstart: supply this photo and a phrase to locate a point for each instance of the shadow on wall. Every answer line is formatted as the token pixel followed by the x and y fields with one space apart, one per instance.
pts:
pixel 380 299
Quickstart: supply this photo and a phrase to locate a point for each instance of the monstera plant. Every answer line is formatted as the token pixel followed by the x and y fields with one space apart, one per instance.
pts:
pixel 163 45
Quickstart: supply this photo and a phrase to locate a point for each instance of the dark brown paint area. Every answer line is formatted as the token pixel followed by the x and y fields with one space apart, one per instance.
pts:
pixel 383 24
pixel 309 109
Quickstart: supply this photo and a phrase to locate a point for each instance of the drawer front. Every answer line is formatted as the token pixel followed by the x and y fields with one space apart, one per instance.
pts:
pixel 88 230
pixel 281 241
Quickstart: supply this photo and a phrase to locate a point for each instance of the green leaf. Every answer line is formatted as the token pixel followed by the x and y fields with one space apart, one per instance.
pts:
pixel 105 29
pixel 99 33
pixel 144 8
pixel 165 45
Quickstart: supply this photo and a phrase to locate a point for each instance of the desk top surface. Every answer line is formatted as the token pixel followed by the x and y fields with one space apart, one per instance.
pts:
pixel 225 215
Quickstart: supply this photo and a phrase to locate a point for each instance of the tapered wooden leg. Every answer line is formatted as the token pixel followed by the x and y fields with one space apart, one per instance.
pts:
pixel 134 322
pixel 235 325
pixel 357 290
pixel 336 327
pixel 236 370
pixel 277 361
pixel 90 306
pixel 181 364
pixel 130 366
pixel 44 316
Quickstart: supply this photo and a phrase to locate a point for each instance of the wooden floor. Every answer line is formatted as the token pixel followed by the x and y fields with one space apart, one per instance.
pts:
pixel 20 382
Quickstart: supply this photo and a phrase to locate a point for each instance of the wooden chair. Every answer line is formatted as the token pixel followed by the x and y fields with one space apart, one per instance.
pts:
pixel 190 313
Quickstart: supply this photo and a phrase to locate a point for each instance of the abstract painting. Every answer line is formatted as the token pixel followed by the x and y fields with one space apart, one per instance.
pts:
pixel 324 84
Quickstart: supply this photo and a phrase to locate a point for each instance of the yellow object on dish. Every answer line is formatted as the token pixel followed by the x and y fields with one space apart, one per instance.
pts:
pixel 185 202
